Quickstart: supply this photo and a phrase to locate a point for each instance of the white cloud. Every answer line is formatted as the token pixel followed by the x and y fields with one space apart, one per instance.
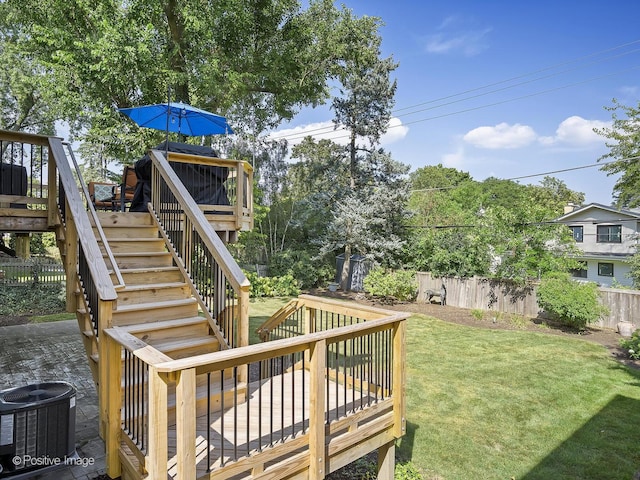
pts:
pixel 576 131
pixel 457 34
pixel 397 131
pixel 454 160
pixel 501 136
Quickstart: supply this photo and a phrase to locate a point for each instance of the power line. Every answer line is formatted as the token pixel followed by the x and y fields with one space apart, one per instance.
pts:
pixel 480 107
pixel 328 129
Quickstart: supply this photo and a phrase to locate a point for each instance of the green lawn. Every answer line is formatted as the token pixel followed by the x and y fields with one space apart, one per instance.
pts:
pixel 491 404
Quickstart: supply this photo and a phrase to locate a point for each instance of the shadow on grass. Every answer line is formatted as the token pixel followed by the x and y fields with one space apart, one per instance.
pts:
pixel 606 447
pixel 405 444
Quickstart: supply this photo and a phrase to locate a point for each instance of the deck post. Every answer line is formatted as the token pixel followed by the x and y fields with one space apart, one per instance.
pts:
pixel 104 368
pixel 186 424
pixel 239 193
pixel 399 380
pixel 52 190
pixel 70 265
pixel 318 371
pixel 387 461
pixel 157 452
pixel 114 386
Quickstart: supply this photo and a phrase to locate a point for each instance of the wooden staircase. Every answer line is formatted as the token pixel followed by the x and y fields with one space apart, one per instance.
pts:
pixel 156 303
pixel 164 314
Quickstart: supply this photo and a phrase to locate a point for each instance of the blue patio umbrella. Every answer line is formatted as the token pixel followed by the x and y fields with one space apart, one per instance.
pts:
pixel 178 117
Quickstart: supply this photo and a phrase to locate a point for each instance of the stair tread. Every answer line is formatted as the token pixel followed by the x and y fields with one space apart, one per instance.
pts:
pixel 151 286
pixel 166 268
pixel 154 305
pixel 138 254
pixel 183 343
pixel 135 239
pixel 162 325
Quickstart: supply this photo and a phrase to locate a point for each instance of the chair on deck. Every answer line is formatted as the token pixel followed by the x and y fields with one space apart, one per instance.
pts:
pixel 123 194
pixel 102 195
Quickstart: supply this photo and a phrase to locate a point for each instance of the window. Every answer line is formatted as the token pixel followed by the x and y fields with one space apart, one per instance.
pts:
pixel 605 269
pixel 609 233
pixel 577 233
pixel 580 272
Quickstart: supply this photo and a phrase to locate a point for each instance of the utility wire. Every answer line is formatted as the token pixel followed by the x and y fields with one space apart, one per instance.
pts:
pixel 457 112
pixel 328 129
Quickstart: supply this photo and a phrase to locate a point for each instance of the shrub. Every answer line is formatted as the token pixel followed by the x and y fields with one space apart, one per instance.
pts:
pixel 399 284
pixel 572 303
pixel 632 345
pixel 302 266
pixel 32 299
pixel 284 286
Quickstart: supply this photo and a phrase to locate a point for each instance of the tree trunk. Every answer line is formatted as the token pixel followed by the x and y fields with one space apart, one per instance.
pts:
pixel 344 276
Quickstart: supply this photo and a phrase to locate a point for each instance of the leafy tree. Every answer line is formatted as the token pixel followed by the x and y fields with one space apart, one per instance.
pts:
pixel 369 219
pixel 256 61
pixel 634 268
pixel 24 104
pixel 624 144
pixel 495 227
pixel 363 109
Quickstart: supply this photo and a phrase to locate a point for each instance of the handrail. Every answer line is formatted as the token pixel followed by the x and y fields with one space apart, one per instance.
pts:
pixel 95 262
pixel 229 266
pixel 24 137
pixel 257 352
pixel 94 215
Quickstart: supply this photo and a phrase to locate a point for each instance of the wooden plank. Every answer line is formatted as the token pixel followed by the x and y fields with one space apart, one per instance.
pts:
pixel 386 461
pixel 361 435
pixel 18 200
pixel 186 424
pixel 114 400
pixel 157 426
pixel 348 308
pixel 399 379
pixel 318 361
pixel 23 224
pixel 356 451
pixel 23 137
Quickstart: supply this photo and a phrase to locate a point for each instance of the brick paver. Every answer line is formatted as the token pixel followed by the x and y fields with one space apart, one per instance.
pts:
pixel 48 352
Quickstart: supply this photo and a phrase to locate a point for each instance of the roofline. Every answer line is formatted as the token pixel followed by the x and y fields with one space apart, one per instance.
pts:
pixel 608 208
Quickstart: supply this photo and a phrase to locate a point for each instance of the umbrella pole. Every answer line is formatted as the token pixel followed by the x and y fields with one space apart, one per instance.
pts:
pixel 166 139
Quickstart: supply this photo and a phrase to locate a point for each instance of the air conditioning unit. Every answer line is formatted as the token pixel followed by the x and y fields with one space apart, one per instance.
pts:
pixel 37 429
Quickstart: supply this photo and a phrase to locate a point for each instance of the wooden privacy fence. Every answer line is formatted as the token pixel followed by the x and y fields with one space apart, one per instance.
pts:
pixel 29 272
pixel 506 297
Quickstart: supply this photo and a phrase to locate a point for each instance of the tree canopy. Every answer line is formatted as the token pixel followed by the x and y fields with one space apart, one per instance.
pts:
pixel 624 144
pixel 255 61
pixel 491 228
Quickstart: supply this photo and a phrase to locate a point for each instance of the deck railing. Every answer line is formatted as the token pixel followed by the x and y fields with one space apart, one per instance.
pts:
pixel 222 188
pixel 221 286
pixel 312 403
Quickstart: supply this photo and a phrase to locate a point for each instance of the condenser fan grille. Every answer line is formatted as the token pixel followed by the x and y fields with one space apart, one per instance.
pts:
pixel 36 393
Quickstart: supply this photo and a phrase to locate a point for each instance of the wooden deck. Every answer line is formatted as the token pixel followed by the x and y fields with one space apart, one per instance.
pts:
pixel 274 423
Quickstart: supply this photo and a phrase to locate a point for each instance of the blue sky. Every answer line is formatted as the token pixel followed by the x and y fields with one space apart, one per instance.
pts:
pixel 504 88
